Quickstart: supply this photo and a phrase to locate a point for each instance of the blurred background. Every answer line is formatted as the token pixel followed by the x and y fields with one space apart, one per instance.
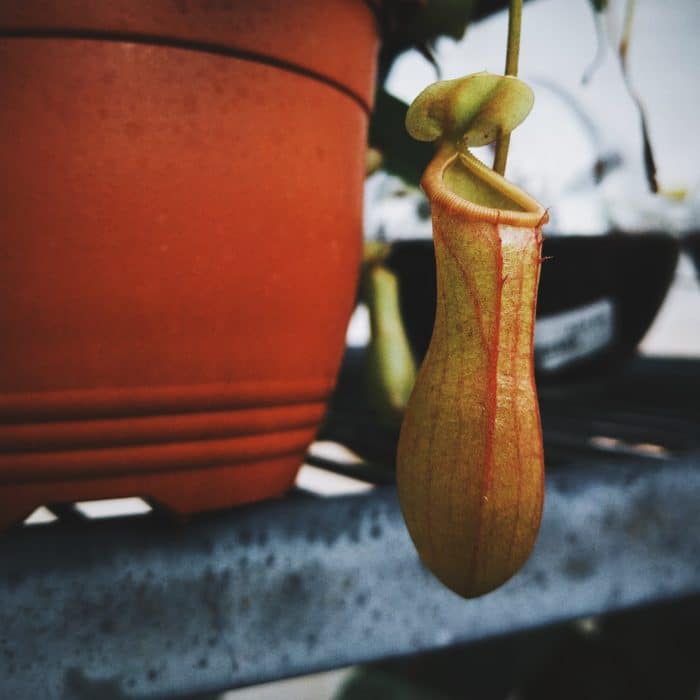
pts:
pixel 616 160
pixel 581 153
pixel 627 258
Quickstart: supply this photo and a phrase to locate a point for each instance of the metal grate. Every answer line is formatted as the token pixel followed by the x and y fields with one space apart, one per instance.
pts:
pixel 648 411
pixel 142 607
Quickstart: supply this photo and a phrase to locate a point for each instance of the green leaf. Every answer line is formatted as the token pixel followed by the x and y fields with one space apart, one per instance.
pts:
pixel 402 155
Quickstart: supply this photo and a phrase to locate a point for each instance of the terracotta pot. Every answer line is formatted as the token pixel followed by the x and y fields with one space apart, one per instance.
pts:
pixel 180 229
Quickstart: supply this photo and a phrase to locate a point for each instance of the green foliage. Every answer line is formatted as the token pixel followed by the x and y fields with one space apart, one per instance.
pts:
pixel 406 24
pixel 417 24
pixel 447 18
pixel 403 156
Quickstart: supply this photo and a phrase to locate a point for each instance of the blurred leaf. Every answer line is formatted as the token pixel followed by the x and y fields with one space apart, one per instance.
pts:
pixel 599 5
pixel 417 24
pixel 373 160
pixel 446 18
pixel 390 370
pixel 402 155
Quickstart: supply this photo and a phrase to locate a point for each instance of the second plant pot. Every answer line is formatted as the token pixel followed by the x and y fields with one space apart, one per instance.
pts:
pixel 598 296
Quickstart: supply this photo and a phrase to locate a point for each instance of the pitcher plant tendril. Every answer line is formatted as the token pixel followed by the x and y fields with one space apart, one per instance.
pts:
pixel 470 466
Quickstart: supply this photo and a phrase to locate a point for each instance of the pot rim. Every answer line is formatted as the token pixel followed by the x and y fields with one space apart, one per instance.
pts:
pixel 342 55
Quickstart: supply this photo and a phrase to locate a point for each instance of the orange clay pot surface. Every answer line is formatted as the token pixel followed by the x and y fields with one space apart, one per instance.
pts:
pixel 180 225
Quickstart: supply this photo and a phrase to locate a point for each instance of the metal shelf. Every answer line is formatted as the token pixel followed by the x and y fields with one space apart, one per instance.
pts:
pixel 144 608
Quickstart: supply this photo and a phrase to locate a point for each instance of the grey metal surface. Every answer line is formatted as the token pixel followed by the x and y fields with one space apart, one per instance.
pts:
pixel 140 608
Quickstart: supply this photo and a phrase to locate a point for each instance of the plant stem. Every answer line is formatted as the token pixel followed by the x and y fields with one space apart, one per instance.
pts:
pixel 515 13
pixel 623 48
pixel 626 33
